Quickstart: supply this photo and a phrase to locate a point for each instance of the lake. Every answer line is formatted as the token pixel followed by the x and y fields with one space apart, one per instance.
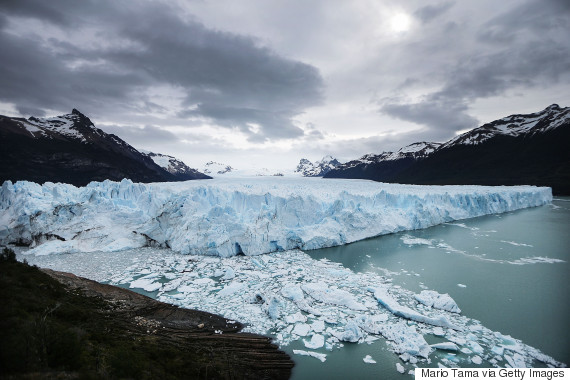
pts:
pixel 508 271
pixel 526 301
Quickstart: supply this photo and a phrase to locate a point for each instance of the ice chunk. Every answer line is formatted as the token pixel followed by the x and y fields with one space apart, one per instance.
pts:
pixel 368 359
pixel 301 329
pixel 297 317
pixel 317 341
pixel 386 300
pixel 476 359
pixel 321 292
pixel 438 331
pixel 273 309
pixel 405 339
pixel 316 355
pixel 410 240
pixel 438 301
pixel 351 333
pixel 400 368
pixel 447 346
pixel 148 284
pixel 318 326
pixel 233 287
pixel 462 285
pixel 293 292
pixel 229 274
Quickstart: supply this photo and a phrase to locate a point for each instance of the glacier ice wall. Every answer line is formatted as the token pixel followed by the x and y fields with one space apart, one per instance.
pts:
pixel 226 217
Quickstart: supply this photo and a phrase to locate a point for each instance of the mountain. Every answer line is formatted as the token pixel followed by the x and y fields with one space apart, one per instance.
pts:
pixel 318 168
pixel 215 168
pixel 384 167
pixel 527 149
pixel 174 166
pixel 70 149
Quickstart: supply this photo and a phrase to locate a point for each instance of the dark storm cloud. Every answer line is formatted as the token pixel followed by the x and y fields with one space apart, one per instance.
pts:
pixel 39 9
pixel 539 17
pixel 429 12
pixel 436 114
pixel 226 78
pixel 533 51
pixel 140 136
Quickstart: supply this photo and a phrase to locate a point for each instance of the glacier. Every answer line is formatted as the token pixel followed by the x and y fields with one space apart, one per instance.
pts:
pixel 228 217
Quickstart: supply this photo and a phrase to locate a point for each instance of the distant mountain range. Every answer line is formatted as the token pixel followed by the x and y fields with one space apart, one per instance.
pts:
pixel 217 168
pixel 70 149
pixel 530 149
pixel 317 169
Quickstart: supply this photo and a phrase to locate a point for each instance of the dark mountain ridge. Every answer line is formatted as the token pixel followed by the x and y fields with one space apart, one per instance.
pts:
pixel 530 149
pixel 70 149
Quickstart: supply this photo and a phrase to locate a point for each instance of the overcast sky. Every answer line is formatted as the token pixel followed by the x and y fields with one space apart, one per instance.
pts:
pixel 265 83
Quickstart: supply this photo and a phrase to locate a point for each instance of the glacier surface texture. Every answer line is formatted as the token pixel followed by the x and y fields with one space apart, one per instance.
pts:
pixel 226 217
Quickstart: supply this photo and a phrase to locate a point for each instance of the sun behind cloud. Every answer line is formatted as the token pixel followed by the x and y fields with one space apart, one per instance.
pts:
pixel 400 22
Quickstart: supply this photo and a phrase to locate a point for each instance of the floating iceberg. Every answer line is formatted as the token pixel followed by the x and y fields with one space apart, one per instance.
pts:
pixel 368 359
pixel 438 301
pixel 226 217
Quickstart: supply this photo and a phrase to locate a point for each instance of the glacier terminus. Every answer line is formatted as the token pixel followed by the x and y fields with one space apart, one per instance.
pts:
pixel 227 217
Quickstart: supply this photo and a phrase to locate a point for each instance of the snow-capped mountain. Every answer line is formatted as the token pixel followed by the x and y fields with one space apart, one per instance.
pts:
pixel 517 149
pixel 70 149
pixel 173 165
pixel 317 169
pixel 217 168
pixel 386 166
pixel 415 151
pixel 548 119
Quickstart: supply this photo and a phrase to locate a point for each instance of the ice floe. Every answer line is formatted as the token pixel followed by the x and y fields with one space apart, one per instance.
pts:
pixel 368 359
pixel 272 293
pixel 316 355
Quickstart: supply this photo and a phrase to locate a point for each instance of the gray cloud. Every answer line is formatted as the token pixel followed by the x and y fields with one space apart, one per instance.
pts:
pixel 437 114
pixel 138 136
pixel 430 12
pixel 537 17
pixel 227 78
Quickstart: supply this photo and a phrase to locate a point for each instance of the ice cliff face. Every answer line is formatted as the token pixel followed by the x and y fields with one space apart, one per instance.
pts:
pixel 226 217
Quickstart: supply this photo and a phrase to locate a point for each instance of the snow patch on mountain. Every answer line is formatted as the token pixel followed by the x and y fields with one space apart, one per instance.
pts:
pixel 69 126
pixel 170 164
